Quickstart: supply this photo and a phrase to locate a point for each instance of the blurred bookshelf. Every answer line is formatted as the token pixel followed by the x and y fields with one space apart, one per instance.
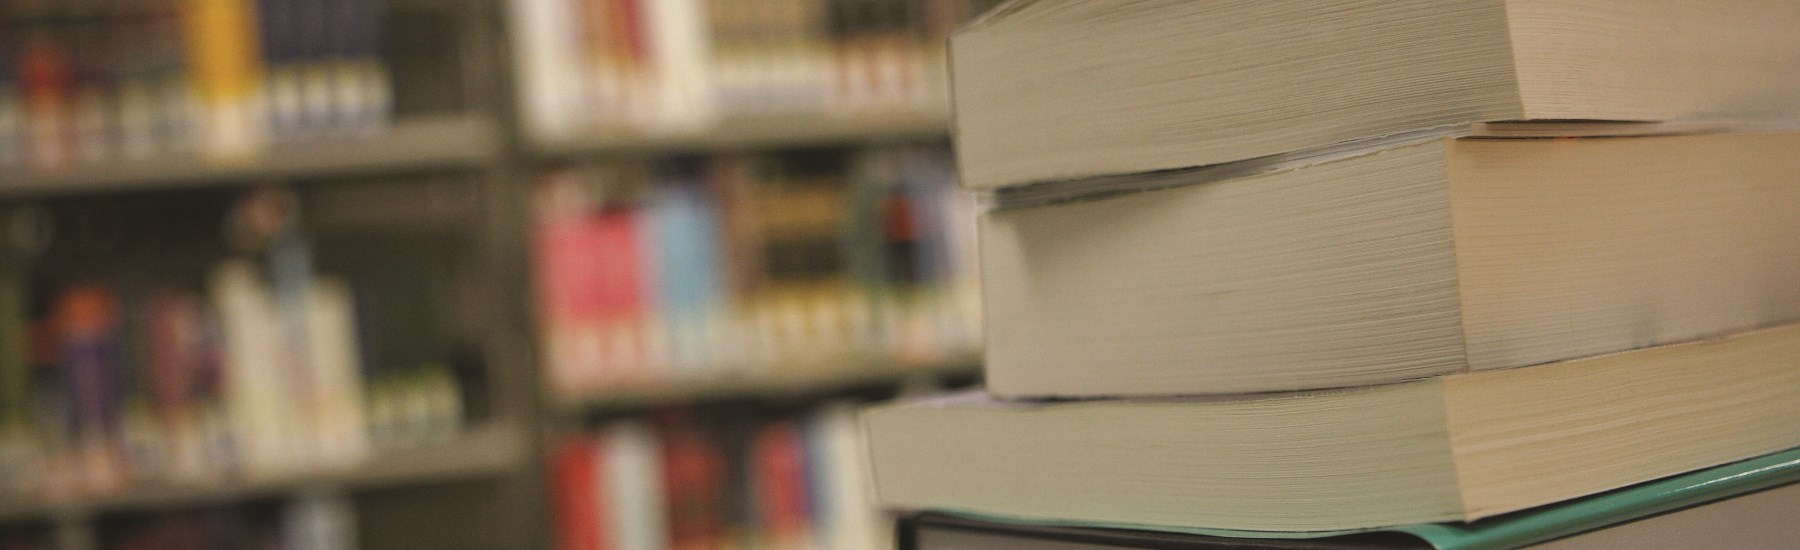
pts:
pixel 800 161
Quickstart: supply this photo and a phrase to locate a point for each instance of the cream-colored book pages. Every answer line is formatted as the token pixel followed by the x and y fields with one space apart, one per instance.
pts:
pixel 1063 89
pixel 1574 248
pixel 1316 461
pixel 1336 274
pixel 1525 437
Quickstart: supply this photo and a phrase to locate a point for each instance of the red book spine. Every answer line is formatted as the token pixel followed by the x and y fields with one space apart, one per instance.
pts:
pixel 782 502
pixel 575 472
pixel 176 352
pixel 620 284
pixel 45 66
pixel 591 294
pixel 693 472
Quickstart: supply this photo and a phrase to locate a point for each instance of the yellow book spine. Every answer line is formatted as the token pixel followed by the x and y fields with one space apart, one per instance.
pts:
pixel 225 67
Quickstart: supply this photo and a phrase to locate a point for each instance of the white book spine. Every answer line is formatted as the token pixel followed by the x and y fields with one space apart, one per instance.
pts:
pixel 549 65
pixel 337 374
pixel 634 490
pixel 681 58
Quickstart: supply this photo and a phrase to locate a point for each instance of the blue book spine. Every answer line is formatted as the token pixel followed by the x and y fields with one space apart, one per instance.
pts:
pixel 687 257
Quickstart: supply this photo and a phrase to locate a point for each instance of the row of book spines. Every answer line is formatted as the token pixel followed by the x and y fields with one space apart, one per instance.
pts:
pixel 788 483
pixel 688 286
pixel 683 63
pixel 192 75
pixel 884 217
pixel 171 389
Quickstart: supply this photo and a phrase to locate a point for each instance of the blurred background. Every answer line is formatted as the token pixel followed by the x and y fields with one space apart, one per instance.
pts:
pixel 486 274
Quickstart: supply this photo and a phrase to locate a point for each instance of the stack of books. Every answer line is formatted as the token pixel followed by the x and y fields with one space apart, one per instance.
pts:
pixel 746 265
pixel 1303 266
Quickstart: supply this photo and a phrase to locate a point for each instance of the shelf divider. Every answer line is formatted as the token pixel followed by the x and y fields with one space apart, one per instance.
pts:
pixel 491 449
pixel 421 143
pixel 750 133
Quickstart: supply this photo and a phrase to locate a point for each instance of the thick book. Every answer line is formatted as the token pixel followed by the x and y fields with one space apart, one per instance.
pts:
pixel 1744 504
pixel 1062 89
pixel 1374 265
pixel 1453 448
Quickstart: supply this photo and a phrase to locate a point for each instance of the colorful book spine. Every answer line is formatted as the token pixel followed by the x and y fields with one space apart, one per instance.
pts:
pixel 46 67
pixel 692 294
pixel 632 491
pixel 87 323
pixel 576 470
pixel 781 487
pixel 227 71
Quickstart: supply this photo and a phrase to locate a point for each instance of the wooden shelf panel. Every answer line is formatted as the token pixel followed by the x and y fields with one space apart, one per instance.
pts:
pixel 762 385
pixel 751 134
pixel 411 144
pixel 484 451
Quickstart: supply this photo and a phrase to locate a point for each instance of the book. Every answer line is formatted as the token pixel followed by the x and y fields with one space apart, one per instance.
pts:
pixel 1738 505
pixel 1452 448
pixel 1423 256
pixel 1050 90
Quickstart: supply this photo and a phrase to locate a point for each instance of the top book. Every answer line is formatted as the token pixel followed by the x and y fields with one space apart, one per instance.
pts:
pixel 1049 90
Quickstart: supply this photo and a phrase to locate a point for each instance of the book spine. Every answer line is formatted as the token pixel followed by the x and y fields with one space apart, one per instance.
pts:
pixel 89 348
pixel 844 505
pixel 91 78
pixel 371 87
pixel 226 71
pixel 782 503
pixel 256 404
pixel 548 66
pixel 694 482
pixel 46 77
pixel 633 489
pixel 342 434
pixel 576 471
pixel 316 26
pixel 281 45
